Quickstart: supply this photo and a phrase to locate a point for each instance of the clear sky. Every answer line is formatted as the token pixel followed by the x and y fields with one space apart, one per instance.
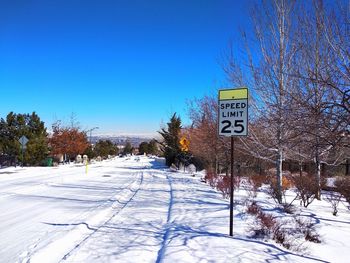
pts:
pixel 122 65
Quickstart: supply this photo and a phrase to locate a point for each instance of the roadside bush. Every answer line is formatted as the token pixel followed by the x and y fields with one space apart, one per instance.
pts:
pixel 306 188
pixel 253 209
pixel 334 198
pixel 224 185
pixel 289 208
pixel 343 187
pixel 268 226
pixel 307 228
pixel 220 182
pixel 264 224
pixel 287 183
pixel 267 223
pixel 210 178
pixel 255 182
pixel 283 231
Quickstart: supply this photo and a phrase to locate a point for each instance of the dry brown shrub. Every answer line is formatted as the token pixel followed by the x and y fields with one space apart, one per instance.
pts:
pixel 334 198
pixel 306 188
pixel 224 185
pixel 307 228
pixel 221 182
pixel 253 209
pixel 342 185
pixel 257 181
pixel 210 178
pixel 283 231
pixel 287 182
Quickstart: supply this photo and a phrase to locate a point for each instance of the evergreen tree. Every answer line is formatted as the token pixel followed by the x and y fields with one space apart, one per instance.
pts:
pixel 90 152
pixel 144 148
pixel 17 125
pixel 37 146
pixel 105 148
pixel 128 148
pixel 152 147
pixel 3 135
pixel 170 144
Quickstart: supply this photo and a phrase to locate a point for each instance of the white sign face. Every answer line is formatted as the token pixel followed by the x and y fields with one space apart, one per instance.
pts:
pixel 23 141
pixel 233 112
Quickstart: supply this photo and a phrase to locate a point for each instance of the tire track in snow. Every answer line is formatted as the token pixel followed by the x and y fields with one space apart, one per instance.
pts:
pixel 12 186
pixel 26 255
pixel 124 204
pixel 31 183
pixel 84 230
pixel 167 230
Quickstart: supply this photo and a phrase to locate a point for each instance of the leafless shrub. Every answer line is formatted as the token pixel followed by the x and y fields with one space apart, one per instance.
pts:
pixel 268 226
pixel 210 178
pixel 274 189
pixel 343 187
pixel 280 235
pixel 307 228
pixel 253 209
pixel 283 231
pixel 221 182
pixel 224 185
pixel 288 208
pixel 264 225
pixel 334 199
pixel 255 182
pixel 306 188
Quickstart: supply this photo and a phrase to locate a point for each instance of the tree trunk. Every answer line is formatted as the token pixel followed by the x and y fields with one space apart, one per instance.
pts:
pixel 318 175
pixel 279 175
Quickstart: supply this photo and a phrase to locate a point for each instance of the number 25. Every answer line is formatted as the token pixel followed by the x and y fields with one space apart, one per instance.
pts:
pixel 238 126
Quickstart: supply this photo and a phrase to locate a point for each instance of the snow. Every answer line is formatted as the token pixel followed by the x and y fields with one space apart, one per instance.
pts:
pixel 125 210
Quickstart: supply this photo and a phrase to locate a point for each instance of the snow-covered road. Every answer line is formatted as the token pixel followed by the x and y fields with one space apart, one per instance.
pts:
pixel 122 210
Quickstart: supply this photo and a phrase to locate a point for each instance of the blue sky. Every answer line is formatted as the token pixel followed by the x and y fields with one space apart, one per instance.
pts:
pixel 124 66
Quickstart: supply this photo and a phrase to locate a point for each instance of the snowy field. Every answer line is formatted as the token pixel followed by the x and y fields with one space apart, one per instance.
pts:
pixel 125 210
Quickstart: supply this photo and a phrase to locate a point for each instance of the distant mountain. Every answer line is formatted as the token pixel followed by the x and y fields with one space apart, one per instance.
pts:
pixel 135 140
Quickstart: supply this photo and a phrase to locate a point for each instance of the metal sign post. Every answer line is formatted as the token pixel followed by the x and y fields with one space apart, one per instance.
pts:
pixel 232 185
pixel 233 121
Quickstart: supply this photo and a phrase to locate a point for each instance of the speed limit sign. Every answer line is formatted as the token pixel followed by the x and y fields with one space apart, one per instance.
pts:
pixel 233 112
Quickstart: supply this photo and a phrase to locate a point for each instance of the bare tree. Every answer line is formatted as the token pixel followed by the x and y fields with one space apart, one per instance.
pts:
pixel 337 33
pixel 315 123
pixel 205 142
pixel 270 58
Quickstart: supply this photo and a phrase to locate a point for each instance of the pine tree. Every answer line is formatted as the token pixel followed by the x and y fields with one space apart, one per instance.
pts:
pixel 128 148
pixel 152 147
pixel 3 135
pixel 170 144
pixel 90 152
pixel 37 147
pixel 105 148
pixel 143 148
pixel 18 125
